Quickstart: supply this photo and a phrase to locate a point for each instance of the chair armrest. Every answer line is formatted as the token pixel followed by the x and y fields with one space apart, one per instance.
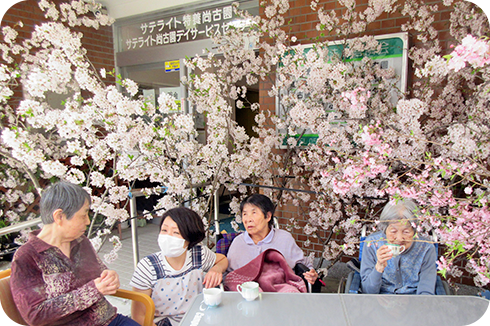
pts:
pixel 299 269
pixel 5 273
pixel 348 282
pixel 140 297
pixel 442 288
pixel 447 289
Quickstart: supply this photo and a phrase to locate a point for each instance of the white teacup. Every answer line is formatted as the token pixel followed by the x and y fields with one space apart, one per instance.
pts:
pixel 212 297
pixel 395 248
pixel 249 290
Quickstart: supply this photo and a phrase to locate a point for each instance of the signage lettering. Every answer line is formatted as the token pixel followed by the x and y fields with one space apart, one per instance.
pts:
pixel 177 29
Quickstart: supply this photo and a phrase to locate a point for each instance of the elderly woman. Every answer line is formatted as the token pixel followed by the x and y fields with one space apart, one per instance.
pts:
pixel 413 271
pixel 57 278
pixel 257 211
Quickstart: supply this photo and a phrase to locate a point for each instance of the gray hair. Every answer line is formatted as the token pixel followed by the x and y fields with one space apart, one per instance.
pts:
pixel 63 195
pixel 403 209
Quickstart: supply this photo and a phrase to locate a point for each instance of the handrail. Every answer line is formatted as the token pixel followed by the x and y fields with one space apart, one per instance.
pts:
pixel 20 226
pixel 133 193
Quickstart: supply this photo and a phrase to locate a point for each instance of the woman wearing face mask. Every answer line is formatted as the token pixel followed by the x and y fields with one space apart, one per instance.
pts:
pixel 175 275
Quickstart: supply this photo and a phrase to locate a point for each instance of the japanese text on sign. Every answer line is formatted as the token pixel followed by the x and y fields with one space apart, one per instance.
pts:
pixel 188 27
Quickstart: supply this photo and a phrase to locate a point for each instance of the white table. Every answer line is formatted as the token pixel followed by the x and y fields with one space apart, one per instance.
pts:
pixel 337 309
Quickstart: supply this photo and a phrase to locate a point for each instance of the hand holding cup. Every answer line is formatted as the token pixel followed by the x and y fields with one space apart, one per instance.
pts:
pixel 396 249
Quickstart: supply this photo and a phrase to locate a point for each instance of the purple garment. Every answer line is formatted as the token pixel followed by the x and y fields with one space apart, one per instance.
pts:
pixel 243 250
pixel 52 289
pixel 223 245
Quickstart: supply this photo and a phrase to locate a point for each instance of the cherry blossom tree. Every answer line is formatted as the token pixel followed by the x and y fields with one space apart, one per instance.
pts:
pixel 375 142
pixel 105 136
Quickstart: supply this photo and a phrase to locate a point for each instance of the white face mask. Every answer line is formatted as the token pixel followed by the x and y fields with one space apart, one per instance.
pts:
pixel 171 246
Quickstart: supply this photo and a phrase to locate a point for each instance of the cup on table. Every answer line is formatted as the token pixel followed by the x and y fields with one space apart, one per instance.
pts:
pixel 395 248
pixel 249 290
pixel 212 297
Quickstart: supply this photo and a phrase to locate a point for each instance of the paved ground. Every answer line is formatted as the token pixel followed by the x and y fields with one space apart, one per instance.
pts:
pixel 124 265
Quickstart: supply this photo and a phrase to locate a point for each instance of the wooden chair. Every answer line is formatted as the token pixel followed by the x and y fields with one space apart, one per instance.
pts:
pixel 141 297
pixel 11 310
pixel 8 304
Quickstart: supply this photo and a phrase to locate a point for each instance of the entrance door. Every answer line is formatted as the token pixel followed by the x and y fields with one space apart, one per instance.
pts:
pixel 155 78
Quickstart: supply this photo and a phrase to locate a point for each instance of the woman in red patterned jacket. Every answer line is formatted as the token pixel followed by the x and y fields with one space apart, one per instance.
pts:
pixel 57 278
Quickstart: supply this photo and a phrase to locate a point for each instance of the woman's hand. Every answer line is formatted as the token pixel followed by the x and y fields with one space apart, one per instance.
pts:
pixel 213 278
pixel 215 275
pixel 311 276
pixel 108 282
pixel 383 254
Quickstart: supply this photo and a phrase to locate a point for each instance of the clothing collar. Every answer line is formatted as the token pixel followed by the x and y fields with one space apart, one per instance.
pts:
pixel 414 243
pixel 268 238
pixel 40 246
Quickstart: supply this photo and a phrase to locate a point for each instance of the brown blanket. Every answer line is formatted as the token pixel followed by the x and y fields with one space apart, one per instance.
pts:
pixel 270 270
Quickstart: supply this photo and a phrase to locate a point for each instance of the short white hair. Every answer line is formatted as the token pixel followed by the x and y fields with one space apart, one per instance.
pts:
pixel 395 211
pixel 63 195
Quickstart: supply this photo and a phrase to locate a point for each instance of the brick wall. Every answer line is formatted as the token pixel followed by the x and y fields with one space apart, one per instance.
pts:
pixel 99 43
pixel 304 20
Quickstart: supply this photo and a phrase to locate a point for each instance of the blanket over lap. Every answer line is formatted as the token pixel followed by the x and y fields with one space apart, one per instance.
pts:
pixel 270 270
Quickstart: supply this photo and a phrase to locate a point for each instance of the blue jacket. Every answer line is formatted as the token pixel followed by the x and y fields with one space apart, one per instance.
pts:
pixel 412 272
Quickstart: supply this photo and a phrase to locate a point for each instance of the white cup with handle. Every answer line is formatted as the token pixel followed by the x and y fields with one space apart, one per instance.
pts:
pixel 396 249
pixel 249 290
pixel 212 297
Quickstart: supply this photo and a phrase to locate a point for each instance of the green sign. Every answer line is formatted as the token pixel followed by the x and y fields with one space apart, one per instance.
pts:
pixel 393 54
pixel 306 140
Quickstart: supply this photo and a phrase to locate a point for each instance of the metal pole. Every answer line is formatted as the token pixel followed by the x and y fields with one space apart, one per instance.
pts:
pixel 184 102
pixel 216 217
pixel 134 230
